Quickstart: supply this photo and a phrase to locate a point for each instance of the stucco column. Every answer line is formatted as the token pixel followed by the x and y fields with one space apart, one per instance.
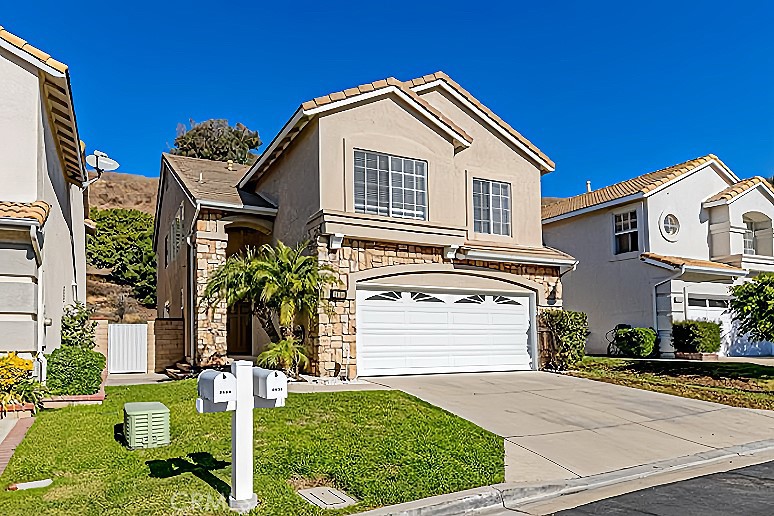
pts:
pixel 210 251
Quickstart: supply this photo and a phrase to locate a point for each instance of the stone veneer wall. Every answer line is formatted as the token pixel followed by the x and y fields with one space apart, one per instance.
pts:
pixel 333 336
pixel 211 322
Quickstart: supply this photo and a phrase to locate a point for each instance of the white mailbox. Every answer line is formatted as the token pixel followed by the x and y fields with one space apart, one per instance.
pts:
pixel 270 385
pixel 217 386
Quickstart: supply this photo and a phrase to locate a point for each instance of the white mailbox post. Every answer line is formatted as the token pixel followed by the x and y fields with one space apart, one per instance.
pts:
pixel 244 388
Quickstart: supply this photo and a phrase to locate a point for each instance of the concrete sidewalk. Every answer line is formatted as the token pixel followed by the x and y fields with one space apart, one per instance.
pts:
pixel 560 428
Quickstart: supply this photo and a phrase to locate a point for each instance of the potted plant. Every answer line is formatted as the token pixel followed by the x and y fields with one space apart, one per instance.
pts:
pixel 696 340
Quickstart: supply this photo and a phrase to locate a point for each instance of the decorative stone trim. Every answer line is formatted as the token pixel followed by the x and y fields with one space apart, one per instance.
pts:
pixel 210 322
pixel 333 335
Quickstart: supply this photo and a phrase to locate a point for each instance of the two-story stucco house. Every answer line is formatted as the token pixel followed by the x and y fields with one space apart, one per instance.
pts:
pixel 42 233
pixel 663 247
pixel 426 204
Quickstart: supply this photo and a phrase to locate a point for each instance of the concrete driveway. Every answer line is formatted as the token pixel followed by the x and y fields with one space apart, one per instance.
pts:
pixel 560 427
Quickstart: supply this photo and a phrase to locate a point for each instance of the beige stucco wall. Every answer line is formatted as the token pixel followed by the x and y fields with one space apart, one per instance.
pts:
pixel 610 289
pixel 316 172
pixel 293 182
pixel 30 170
pixel 491 157
pixel 683 199
pixel 19 120
pixel 172 278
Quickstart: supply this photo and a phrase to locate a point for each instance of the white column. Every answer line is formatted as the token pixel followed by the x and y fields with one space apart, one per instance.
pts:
pixel 242 498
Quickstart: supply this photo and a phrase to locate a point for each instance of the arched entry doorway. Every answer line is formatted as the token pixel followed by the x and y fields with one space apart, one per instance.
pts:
pixel 239 318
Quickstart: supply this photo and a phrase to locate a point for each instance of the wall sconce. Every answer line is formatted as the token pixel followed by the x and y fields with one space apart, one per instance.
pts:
pixel 338 294
pixel 335 241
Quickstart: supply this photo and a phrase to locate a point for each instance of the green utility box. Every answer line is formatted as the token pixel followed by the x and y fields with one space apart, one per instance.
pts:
pixel 146 424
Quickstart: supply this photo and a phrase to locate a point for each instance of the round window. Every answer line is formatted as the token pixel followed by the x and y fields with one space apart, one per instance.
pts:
pixel 670 226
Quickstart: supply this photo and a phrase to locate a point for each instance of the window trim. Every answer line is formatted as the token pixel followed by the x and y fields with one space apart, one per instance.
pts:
pixel 390 187
pixel 662 220
pixel 640 229
pixel 491 232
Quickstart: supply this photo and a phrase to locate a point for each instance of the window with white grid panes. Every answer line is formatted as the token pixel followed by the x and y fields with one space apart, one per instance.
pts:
pixel 390 185
pixel 491 207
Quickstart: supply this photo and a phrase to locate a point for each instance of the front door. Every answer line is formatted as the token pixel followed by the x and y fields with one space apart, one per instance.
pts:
pixel 240 329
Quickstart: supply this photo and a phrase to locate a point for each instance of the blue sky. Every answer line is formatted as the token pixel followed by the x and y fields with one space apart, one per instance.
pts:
pixel 608 90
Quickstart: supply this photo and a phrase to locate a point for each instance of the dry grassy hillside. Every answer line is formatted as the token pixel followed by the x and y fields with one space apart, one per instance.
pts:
pixel 116 190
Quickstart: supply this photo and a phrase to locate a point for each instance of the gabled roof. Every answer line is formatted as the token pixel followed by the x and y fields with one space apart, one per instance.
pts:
pixel 639 186
pixel 36 212
pixel 407 91
pixel 677 262
pixel 331 101
pixel 737 189
pixel 421 83
pixel 319 102
pixel 55 79
pixel 212 183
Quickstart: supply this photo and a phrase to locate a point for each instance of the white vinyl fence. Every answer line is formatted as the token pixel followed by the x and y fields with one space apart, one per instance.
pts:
pixel 127 348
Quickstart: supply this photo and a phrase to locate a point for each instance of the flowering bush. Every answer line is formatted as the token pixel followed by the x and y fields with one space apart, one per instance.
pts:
pixel 13 369
pixel 17 387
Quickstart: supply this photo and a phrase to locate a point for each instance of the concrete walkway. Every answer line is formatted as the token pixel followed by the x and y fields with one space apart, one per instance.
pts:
pixel 136 378
pixel 560 427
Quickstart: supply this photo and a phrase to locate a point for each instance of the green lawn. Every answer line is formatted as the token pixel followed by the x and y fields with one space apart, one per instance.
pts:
pixel 382 447
pixel 736 384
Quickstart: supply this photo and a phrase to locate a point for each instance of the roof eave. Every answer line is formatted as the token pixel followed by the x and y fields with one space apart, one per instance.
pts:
pixel 546 165
pixel 303 116
pixel 589 209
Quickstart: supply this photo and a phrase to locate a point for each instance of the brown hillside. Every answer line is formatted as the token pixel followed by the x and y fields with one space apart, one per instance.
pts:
pixel 117 190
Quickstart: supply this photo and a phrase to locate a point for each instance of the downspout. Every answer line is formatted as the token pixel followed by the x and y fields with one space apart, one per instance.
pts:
pixel 655 297
pixel 40 359
pixel 192 284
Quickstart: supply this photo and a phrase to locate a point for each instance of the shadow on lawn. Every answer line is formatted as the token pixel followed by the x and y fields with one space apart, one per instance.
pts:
pixel 201 465
pixel 715 370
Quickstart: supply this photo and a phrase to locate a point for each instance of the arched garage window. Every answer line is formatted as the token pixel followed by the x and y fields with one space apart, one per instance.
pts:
pixel 758 234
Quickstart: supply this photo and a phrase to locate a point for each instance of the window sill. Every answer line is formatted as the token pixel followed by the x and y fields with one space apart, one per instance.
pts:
pixel 625 256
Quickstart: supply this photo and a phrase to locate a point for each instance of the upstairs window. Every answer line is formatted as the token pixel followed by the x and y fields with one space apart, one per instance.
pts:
pixel 626 233
pixel 749 238
pixel 390 185
pixel 491 207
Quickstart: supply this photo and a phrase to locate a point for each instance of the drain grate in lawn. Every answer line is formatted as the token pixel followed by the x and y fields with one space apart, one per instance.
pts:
pixel 381 447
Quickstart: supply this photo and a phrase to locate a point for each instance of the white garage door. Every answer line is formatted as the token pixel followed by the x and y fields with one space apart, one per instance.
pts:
pixel 415 332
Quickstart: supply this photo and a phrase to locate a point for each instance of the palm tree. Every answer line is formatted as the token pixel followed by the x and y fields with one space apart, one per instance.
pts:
pixel 279 281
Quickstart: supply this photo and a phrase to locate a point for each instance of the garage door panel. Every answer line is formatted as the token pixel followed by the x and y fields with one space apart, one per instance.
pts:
pixel 403 333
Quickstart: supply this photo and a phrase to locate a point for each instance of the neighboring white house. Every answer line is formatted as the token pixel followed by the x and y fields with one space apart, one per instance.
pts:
pixel 665 246
pixel 42 233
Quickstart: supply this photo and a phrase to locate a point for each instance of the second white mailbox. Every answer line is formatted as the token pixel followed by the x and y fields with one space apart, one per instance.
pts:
pixel 217 386
pixel 270 385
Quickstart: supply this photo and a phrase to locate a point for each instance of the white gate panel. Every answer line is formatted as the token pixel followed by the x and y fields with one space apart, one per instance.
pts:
pixel 127 348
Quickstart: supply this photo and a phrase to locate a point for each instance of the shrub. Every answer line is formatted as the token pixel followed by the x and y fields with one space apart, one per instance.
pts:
pixel 77 329
pixel 752 306
pixel 75 370
pixel 635 342
pixel 286 354
pixel 696 336
pixel 567 333
pixel 13 369
pixel 17 387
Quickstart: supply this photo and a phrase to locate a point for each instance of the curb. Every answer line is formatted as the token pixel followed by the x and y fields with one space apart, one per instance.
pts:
pixel 511 495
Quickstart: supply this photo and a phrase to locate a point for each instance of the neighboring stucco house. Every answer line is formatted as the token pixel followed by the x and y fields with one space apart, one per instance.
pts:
pixel 42 232
pixel 665 246
pixel 426 204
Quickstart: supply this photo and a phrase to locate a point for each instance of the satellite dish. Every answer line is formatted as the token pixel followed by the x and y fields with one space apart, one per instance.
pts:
pixel 100 162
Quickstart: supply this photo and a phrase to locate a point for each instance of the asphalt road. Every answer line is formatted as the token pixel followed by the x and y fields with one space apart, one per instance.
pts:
pixel 743 492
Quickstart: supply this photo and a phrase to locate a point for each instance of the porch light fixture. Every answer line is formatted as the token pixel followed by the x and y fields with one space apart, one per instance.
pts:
pixel 335 241
pixel 338 294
